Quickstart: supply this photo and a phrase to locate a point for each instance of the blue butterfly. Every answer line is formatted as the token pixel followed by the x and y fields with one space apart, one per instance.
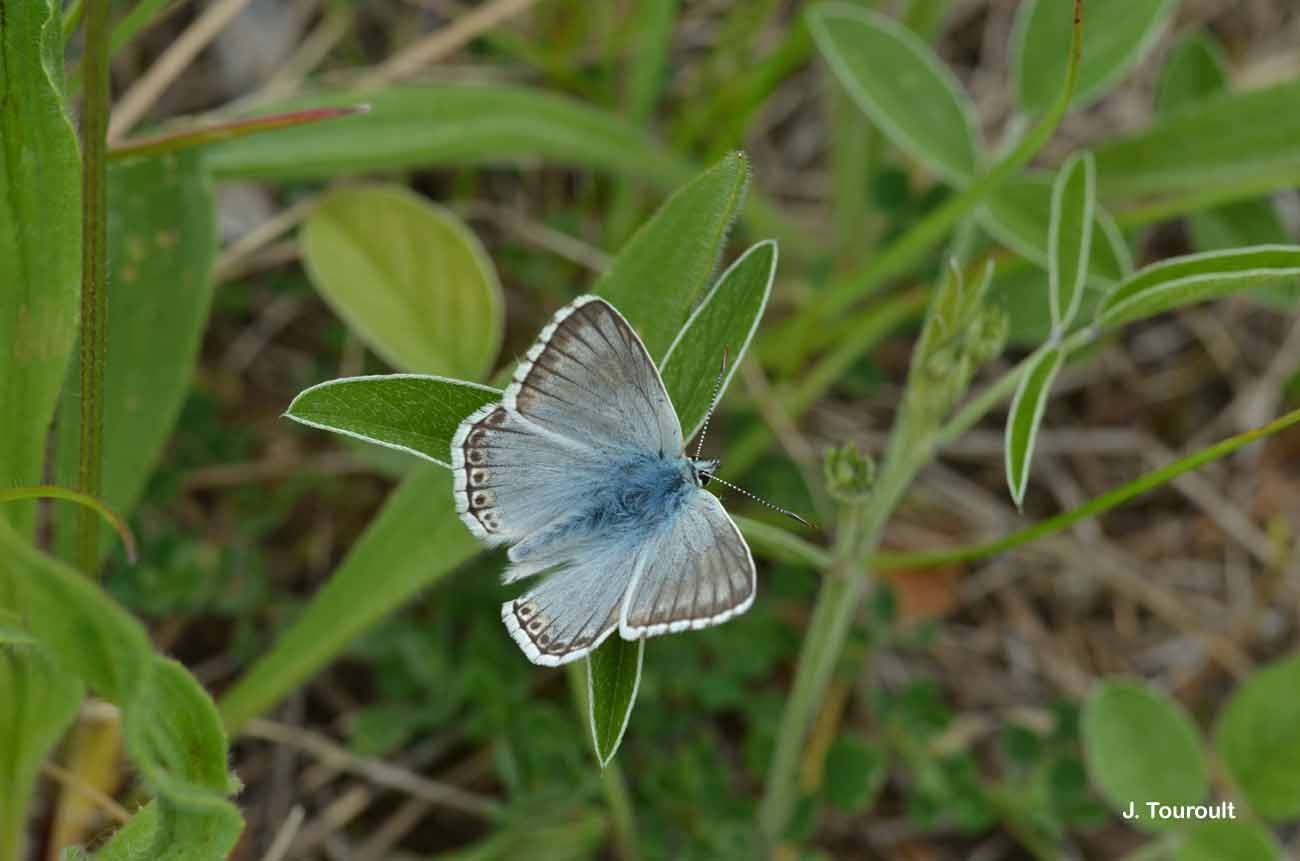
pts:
pixel 581 468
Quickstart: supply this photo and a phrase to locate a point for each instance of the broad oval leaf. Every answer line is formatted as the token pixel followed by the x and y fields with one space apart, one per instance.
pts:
pixel 667 264
pixel 1142 746
pixel 1117 34
pixel 40 240
pixel 613 676
pixel 1249 141
pixel 1016 212
pixel 1180 281
pixel 448 124
pixel 723 325
pixel 1194 70
pixel 1226 841
pixel 1069 238
pixel 1026 415
pixel 902 86
pixel 414 541
pixel 409 277
pixel 1258 739
pixel 408 412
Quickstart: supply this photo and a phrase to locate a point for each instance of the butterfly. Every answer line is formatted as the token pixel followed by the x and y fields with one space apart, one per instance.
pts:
pixel 581 469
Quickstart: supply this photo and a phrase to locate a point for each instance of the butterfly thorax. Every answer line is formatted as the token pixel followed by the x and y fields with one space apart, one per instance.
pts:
pixel 646 491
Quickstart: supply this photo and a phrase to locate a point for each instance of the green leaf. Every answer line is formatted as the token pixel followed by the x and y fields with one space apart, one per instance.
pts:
pixel 1249 140
pixel 1026 415
pixel 613 676
pixel 1226 841
pixel 448 124
pixel 171 728
pixel 1117 34
pixel 408 277
pixel 897 80
pixel 723 325
pixel 162 241
pixel 1069 242
pixel 1195 69
pixel 151 835
pixel 1016 212
pixel 408 412
pixel 414 541
pixel 1180 281
pixel 1258 739
pixel 1141 746
pixel 855 772
pixel 667 264
pixel 38 702
pixel 40 238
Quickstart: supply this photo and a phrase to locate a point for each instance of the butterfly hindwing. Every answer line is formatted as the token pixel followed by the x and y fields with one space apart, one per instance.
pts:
pixel 698 572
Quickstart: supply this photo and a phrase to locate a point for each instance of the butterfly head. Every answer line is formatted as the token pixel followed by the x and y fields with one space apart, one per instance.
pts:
pixel 702 470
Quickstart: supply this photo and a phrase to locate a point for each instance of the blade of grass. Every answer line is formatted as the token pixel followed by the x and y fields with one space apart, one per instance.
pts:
pixel 184 139
pixel 53 491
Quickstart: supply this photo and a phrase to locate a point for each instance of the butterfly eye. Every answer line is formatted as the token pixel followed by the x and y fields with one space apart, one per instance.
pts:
pixel 705 478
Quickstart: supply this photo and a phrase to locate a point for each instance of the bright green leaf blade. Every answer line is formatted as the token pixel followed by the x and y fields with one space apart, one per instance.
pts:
pixel 40 238
pixel 1234 139
pixel 1181 281
pixel 666 265
pixel 1194 70
pixel 1117 34
pixel 1226 841
pixel 173 735
pixel 896 79
pixel 414 541
pixel 1016 212
pixel 1258 739
pixel 415 414
pixel 613 675
pixel 158 832
pixel 1069 238
pixel 408 277
pixel 1026 415
pixel 723 325
pixel 1142 746
pixel 38 702
pixel 448 124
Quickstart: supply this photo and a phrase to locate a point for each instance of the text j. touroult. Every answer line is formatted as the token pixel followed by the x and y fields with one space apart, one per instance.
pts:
pixel 1157 810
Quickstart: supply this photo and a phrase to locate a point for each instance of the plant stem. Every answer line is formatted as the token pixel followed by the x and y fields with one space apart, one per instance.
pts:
pixel 911 445
pixel 94 281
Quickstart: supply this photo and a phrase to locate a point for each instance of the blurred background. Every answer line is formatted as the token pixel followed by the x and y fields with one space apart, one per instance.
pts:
pixel 433 737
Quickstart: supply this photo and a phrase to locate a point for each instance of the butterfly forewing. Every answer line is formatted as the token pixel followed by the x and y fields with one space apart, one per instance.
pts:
pixel 698 572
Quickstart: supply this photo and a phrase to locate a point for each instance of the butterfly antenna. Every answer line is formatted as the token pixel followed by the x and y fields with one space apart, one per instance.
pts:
pixel 713 403
pixel 761 501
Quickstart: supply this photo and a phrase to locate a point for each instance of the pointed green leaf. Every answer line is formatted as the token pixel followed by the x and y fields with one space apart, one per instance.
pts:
pixel 1226 841
pixel 408 412
pixel 897 80
pixel 1069 238
pixel 666 265
pixel 448 124
pixel 1026 415
pixel 1181 281
pixel 1117 34
pixel 40 238
pixel 613 676
pixel 408 277
pixel 1194 70
pixel 414 541
pixel 1016 212
pixel 1232 140
pixel 1258 739
pixel 1141 746
pixel 723 324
